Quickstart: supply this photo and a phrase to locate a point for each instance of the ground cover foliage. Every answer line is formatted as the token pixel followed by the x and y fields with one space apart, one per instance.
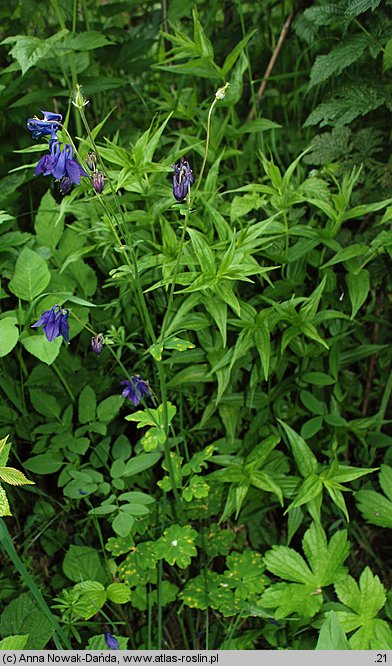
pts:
pixel 245 502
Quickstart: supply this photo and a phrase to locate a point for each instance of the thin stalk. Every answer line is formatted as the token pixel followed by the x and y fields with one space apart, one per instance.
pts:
pixel 64 382
pixel 385 400
pixel 60 639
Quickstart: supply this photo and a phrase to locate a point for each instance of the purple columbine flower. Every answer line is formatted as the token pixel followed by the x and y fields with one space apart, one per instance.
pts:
pixel 61 165
pixel 182 180
pixel 47 162
pixel 98 181
pixel 135 389
pixel 97 343
pixel 49 124
pixel 67 166
pixel 54 323
pixel 110 641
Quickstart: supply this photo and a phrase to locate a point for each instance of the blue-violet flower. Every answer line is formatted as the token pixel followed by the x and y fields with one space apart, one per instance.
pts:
pixel 182 180
pixel 48 125
pixel 135 389
pixel 54 323
pixel 111 642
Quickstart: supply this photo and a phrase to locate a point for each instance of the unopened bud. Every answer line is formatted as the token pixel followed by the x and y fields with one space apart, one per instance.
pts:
pixel 221 92
pixel 98 181
pixel 78 99
pixel 97 343
pixel 91 160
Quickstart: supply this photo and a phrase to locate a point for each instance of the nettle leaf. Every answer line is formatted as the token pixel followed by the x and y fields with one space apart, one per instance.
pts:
pixel 177 545
pixel 343 55
pixel 4 505
pixel 13 476
pixel 28 51
pixel 325 566
pixel 364 601
pixel 347 103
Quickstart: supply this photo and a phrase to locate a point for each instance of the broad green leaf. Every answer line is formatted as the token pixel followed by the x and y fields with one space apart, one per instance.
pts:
pixel 87 41
pixel 14 642
pixel 109 408
pixel 31 276
pixel 91 596
pixel 87 405
pixel 22 616
pixel 375 508
pixel 49 222
pixel 365 599
pixel 41 348
pixel 292 598
pixel 177 545
pixel 289 565
pixel 140 463
pixel 118 593
pixel 45 463
pixel 45 404
pixel 84 563
pixel 9 335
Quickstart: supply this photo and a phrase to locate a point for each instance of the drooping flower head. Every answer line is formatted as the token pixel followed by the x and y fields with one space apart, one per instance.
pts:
pixel 135 389
pixel 48 125
pixel 97 343
pixel 54 323
pixel 98 181
pixel 91 160
pixel 182 180
pixel 111 642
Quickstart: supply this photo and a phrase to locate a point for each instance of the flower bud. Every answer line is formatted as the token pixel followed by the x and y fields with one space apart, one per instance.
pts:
pixel 97 343
pixel 91 160
pixel 78 99
pixel 98 181
pixel 221 92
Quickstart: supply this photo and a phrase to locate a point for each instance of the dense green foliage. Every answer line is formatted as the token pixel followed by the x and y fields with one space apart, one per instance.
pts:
pixel 250 496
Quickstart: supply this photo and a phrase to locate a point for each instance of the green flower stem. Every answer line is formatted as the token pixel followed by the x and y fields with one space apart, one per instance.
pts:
pixel 385 400
pixel 64 382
